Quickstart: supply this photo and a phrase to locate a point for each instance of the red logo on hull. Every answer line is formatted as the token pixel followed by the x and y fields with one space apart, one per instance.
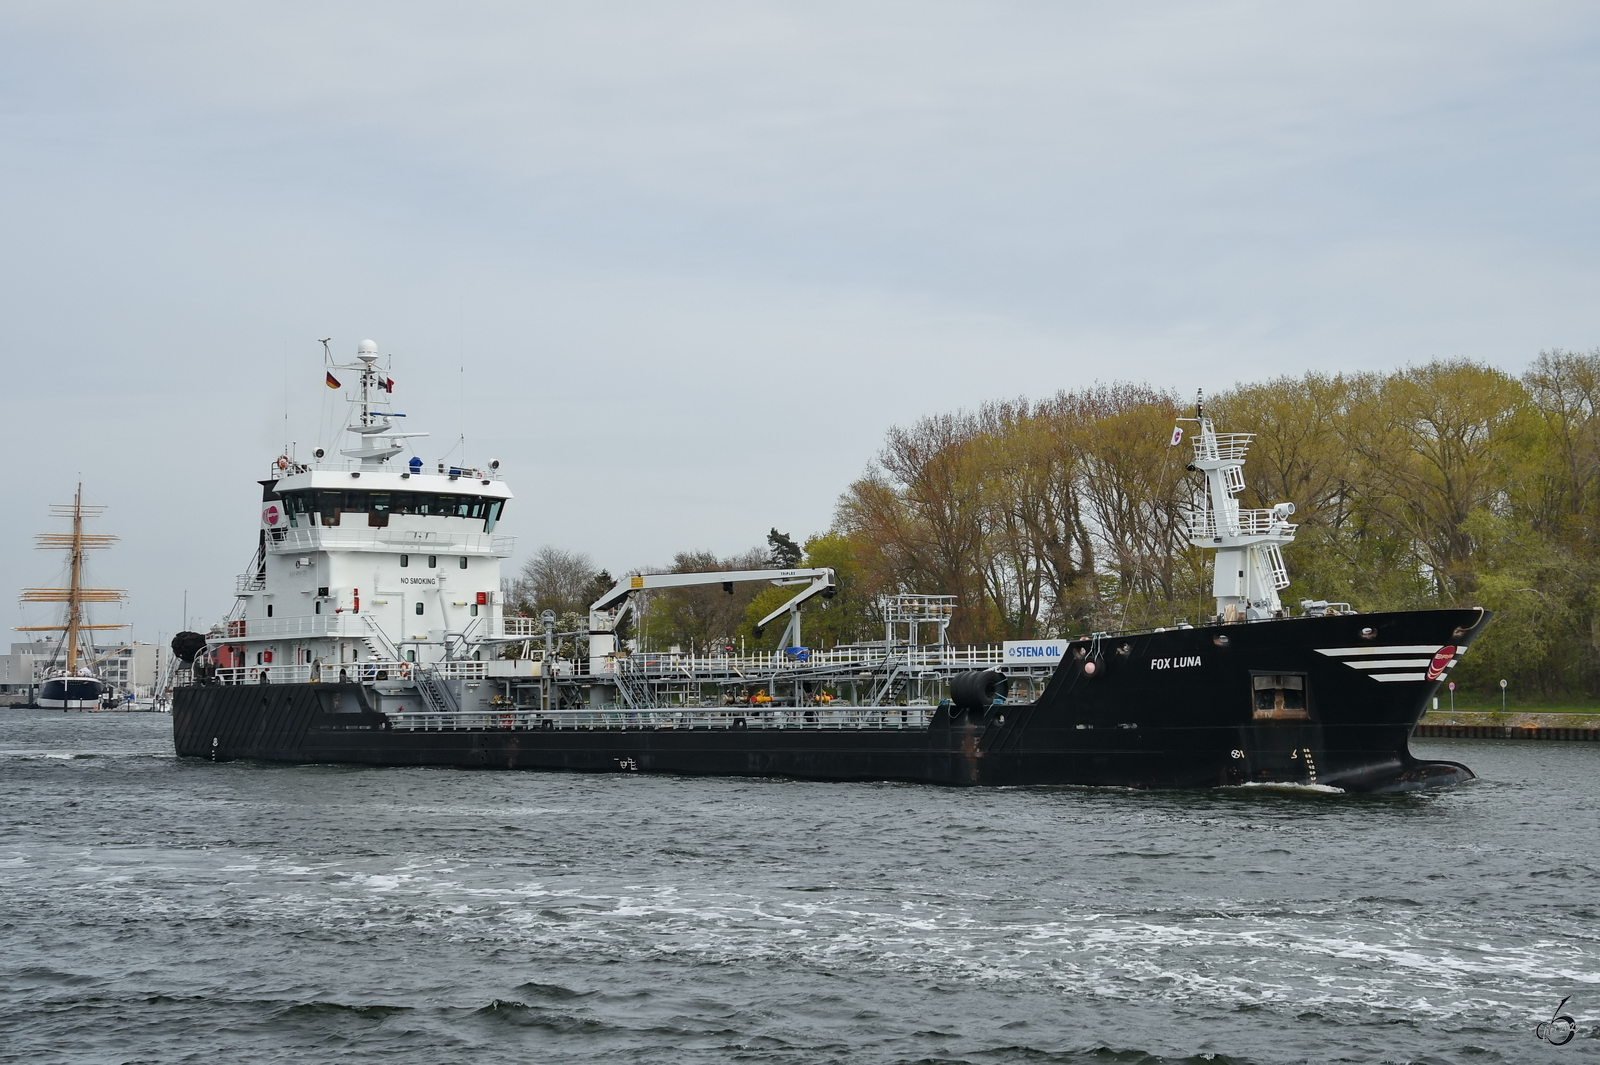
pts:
pixel 1441 662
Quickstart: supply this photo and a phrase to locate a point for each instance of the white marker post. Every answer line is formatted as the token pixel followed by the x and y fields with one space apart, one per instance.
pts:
pixel 1502 695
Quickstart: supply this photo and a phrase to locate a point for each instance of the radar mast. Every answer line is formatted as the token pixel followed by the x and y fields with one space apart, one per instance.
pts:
pixel 1249 570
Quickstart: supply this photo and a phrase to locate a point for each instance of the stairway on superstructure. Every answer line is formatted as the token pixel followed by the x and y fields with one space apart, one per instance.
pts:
pixel 438 696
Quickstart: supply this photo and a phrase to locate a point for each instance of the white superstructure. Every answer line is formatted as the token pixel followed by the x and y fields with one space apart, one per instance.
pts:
pixel 1249 569
pixel 365 560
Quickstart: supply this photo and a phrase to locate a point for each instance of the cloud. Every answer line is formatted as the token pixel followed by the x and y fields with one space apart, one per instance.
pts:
pixel 697 258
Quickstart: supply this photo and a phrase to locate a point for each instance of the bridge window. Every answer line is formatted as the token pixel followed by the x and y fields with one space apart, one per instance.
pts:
pixel 378 506
pixel 1280 697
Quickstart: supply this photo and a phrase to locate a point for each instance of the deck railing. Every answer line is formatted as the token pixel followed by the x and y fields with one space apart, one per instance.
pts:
pixel 365 538
pixel 332 624
pixel 1222 445
pixel 1251 523
pixel 658 664
pixel 837 718
pixel 366 672
pixel 530 627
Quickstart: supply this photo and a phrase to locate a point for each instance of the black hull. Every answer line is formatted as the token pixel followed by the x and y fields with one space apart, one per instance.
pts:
pixel 1159 710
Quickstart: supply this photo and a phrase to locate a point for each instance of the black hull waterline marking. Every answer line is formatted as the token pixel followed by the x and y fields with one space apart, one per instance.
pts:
pixel 1122 724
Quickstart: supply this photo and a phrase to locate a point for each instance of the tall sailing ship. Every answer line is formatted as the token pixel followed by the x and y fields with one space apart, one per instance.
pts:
pixel 370 628
pixel 73 685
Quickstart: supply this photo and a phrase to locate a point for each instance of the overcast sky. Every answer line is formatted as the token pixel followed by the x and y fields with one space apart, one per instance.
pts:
pixel 679 266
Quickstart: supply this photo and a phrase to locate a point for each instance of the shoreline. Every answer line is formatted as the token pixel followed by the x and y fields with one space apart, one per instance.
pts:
pixel 1512 725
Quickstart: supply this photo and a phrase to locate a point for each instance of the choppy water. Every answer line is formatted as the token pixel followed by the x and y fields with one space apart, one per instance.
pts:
pixel 161 910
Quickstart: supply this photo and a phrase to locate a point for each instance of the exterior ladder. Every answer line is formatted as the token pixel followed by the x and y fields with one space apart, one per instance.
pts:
pixel 890 682
pixel 632 697
pixel 435 694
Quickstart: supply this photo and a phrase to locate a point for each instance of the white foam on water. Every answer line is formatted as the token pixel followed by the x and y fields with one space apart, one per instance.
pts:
pixel 1134 915
pixel 1221 961
pixel 1320 789
pixel 50 756
pixel 380 883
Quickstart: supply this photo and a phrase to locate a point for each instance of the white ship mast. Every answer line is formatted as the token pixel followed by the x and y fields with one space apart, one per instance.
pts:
pixel 371 426
pixel 1249 567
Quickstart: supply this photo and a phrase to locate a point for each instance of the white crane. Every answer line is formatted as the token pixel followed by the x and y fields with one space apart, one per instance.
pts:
pixel 607 612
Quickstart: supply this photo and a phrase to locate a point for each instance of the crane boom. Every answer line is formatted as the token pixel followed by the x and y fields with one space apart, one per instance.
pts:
pixel 643 581
pixel 607 612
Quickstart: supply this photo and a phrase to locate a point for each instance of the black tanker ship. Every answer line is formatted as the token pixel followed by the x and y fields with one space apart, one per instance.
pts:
pixel 308 669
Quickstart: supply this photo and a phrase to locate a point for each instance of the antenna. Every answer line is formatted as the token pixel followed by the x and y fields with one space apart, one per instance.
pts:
pixel 327 353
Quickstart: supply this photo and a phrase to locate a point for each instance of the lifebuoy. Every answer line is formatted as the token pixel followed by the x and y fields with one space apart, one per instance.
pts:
pixel 405 671
pixel 283 462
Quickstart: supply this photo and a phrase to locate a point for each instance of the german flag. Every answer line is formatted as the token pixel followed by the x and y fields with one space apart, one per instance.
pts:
pixel 333 382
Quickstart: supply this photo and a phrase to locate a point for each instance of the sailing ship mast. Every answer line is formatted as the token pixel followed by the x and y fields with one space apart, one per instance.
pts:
pixel 75 595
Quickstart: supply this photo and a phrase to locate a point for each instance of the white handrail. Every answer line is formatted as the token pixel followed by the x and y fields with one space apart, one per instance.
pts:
pixel 430 541
pixel 837 718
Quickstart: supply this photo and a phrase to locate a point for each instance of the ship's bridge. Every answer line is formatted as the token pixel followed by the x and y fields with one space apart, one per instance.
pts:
pixel 326 497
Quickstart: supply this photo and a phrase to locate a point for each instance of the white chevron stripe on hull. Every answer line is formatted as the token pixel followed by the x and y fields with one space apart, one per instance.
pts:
pixel 1428 649
pixel 1407 657
pixel 1393 663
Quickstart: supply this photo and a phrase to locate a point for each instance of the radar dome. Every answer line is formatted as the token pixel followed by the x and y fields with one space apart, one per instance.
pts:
pixel 367 347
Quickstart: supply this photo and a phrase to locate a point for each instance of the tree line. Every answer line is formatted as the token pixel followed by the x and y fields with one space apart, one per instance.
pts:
pixel 1447 484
